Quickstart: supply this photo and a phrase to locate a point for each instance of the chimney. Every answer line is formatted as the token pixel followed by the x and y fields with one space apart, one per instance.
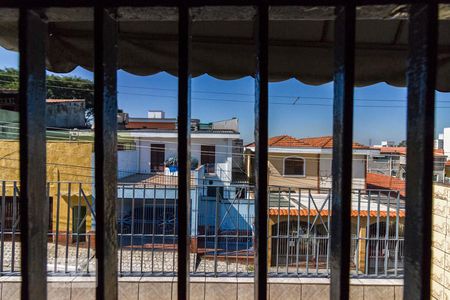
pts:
pixel 156 114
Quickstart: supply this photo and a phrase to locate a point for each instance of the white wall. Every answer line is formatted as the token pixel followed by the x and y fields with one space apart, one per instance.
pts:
pixel 358 171
pixel 223 152
pixel 447 142
pixel 127 163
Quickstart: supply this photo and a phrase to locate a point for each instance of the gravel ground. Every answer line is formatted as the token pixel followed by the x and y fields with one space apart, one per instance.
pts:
pixel 136 261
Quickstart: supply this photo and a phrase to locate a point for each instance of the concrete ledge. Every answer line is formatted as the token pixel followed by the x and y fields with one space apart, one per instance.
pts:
pixel 220 288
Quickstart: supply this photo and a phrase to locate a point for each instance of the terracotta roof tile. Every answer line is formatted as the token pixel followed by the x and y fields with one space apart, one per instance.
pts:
pixel 380 181
pixel 402 151
pixel 438 152
pixel 286 141
pixel 324 213
pixel 396 150
pixel 64 100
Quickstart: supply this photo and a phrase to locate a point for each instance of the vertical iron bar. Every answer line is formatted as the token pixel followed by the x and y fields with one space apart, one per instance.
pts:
pixel 288 246
pixel 216 230
pixel 164 229
pixel 184 148
pixel 69 202
pixel 13 249
pixel 261 149
pixel 143 230
pixel 328 232
pixel 308 232
pixel 342 149
pixel 237 234
pixel 88 254
pixel 58 203
pixel 174 210
pixel 278 232
pixel 226 243
pixel 377 242
pixel 3 228
pixel 132 229
pixel 121 231
pixel 367 238
pixel 33 202
pixel 105 114
pixel 358 225
pixel 248 234
pixel 297 240
pixel 78 223
pixel 153 226
pixel 397 224
pixel 206 221
pixel 421 78
pixel 387 239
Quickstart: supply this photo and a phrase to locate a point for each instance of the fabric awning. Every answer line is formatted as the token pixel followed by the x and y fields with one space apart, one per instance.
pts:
pixel 301 42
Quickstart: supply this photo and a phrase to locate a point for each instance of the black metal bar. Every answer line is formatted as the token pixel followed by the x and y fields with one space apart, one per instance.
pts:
pixel 184 149
pixel 421 78
pixel 342 149
pixel 194 3
pixel 105 114
pixel 261 143
pixel 33 201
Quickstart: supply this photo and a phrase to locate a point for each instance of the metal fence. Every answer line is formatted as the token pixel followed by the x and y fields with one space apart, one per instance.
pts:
pixel 222 230
pixel 421 80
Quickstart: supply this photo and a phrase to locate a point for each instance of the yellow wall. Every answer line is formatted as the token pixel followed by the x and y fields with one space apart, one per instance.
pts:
pixel 311 179
pixel 354 220
pixel 67 161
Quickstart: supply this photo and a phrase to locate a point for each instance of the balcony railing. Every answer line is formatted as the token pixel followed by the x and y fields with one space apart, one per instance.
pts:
pixel 222 230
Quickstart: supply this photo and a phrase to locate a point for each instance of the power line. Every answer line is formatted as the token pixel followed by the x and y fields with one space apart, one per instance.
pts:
pixel 292 97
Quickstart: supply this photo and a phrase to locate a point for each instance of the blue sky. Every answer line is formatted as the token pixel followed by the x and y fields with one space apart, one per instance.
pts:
pixel 295 108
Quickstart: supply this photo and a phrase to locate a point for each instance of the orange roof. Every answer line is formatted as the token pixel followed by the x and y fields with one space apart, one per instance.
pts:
pixel 402 150
pixel 439 152
pixel 304 213
pixel 312 142
pixel 381 181
pixel 64 100
pixel 397 150
pixel 447 163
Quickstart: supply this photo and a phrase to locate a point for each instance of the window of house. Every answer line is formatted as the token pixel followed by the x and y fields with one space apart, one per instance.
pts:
pixel 294 166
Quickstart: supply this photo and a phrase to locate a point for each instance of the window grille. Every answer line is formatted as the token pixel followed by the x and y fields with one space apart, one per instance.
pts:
pixel 421 78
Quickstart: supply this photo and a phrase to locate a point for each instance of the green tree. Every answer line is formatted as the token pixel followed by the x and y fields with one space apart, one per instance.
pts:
pixel 58 87
pixel 402 144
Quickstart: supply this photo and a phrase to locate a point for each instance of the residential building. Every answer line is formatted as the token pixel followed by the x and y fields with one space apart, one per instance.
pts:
pixel 391 161
pixel 66 113
pixel 69 185
pixel 306 162
pixel 60 113
pixel 147 168
pixel 439 142
pixel 148 144
pixel 386 182
pixel 385 144
pixel 299 228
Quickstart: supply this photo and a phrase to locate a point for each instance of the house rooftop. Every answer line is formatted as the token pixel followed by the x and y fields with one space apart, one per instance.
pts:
pixel 64 100
pixel 381 181
pixel 324 142
pixel 363 204
pixel 394 150
pixel 402 151
pixel 153 180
